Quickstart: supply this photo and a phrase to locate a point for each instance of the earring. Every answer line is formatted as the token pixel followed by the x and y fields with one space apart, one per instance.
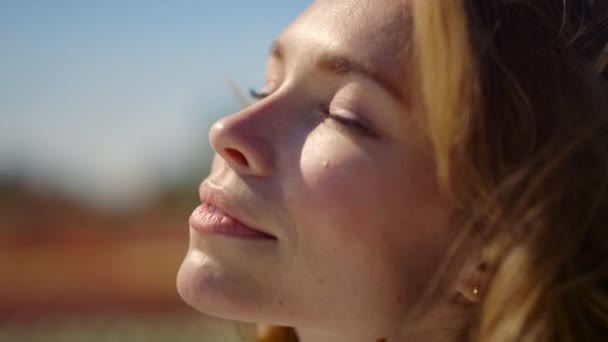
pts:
pixel 476 290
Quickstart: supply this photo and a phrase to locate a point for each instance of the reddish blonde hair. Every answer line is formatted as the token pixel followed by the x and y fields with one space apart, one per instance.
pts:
pixel 514 105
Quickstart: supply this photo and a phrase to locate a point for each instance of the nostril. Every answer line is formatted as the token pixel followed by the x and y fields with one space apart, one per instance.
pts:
pixel 237 156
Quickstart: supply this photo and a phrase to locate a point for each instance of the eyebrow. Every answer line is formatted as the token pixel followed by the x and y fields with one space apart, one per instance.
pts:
pixel 343 65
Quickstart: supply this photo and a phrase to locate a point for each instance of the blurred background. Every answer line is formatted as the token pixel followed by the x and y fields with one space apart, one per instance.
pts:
pixel 104 113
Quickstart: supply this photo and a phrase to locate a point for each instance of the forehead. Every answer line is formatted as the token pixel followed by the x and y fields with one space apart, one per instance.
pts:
pixel 377 24
pixel 374 32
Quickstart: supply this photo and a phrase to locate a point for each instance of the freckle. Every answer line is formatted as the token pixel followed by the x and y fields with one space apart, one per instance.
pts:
pixel 398 298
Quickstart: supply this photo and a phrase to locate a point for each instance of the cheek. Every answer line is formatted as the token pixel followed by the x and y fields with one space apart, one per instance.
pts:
pixel 338 185
pixel 357 192
pixel 371 200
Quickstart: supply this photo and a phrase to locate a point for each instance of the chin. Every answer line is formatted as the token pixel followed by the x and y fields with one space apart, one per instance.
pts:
pixel 207 288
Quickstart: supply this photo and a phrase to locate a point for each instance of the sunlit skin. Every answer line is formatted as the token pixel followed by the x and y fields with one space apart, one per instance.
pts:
pixel 332 163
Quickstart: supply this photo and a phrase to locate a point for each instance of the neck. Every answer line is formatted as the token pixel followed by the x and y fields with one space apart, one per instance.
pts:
pixel 438 334
pixel 310 335
pixel 443 324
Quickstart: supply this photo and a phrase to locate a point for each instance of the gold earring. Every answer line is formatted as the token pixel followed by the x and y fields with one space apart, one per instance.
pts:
pixel 476 290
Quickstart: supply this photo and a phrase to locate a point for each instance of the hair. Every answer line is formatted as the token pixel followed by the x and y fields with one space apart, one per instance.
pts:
pixel 513 101
pixel 514 104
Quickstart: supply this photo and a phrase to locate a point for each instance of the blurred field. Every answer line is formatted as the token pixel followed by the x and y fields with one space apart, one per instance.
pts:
pixel 73 273
pixel 111 327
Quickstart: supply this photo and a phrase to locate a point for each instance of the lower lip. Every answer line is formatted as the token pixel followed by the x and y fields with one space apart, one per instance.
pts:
pixel 206 220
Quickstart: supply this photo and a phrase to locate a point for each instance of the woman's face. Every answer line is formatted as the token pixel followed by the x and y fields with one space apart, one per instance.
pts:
pixel 331 164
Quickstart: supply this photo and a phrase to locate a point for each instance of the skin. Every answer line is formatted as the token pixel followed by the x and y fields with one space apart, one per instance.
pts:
pixel 360 224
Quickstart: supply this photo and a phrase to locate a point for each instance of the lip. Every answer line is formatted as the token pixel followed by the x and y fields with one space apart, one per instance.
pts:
pixel 218 215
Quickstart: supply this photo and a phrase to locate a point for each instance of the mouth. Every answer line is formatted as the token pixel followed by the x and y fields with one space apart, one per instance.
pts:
pixel 216 215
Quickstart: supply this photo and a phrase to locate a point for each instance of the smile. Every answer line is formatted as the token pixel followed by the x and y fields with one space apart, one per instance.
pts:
pixel 208 219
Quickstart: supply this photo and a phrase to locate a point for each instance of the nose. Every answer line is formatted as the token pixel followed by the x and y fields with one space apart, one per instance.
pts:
pixel 240 139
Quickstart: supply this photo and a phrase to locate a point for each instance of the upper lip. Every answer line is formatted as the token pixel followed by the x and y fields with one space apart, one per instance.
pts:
pixel 219 198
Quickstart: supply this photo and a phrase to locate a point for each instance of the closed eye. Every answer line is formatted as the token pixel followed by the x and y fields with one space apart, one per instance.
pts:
pixel 352 124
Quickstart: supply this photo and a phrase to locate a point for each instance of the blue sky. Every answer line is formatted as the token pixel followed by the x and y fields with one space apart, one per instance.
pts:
pixel 105 100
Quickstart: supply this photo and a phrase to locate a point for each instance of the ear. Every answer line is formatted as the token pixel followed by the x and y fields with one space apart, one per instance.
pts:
pixel 469 285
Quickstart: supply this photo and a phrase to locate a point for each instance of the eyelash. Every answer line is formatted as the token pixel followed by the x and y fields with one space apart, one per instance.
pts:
pixel 348 123
pixel 258 96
